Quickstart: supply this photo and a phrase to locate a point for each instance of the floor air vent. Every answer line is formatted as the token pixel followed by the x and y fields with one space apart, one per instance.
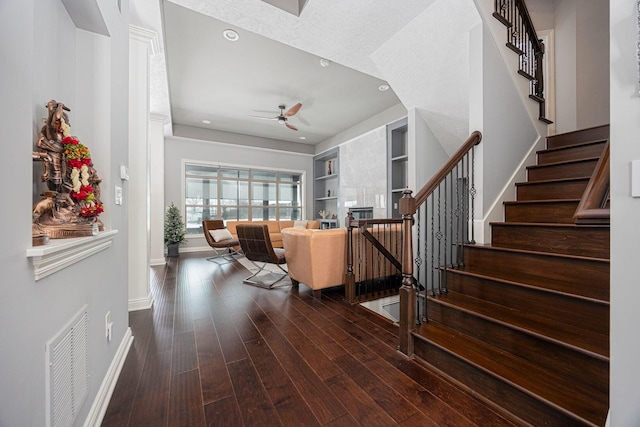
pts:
pixel 67 374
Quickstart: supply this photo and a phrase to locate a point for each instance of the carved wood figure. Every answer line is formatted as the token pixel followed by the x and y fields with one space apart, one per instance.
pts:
pixel 71 203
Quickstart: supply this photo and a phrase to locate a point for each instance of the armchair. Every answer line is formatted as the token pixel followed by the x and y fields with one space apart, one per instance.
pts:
pixel 315 258
pixel 223 247
pixel 256 245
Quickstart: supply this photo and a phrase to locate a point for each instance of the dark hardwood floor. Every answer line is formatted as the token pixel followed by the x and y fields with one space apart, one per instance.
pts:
pixel 213 351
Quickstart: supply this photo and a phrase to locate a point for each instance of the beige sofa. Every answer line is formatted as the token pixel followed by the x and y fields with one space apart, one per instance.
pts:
pixel 275 228
pixel 316 258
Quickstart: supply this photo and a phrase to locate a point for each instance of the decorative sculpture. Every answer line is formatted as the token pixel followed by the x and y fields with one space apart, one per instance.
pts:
pixel 71 203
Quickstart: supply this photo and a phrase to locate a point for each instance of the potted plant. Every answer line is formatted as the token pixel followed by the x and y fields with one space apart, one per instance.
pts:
pixel 174 231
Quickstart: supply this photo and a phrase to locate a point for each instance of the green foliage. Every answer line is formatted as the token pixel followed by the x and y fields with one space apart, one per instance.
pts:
pixel 174 230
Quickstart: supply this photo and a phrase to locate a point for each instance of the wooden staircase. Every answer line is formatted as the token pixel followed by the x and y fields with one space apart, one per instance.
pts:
pixel 525 321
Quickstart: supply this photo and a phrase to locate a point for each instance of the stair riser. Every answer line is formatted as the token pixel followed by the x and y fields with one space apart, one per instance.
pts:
pixel 552 190
pixel 593 242
pixel 588 373
pixel 559 212
pixel 520 404
pixel 561 171
pixel 576 276
pixel 560 308
pixel 592 134
pixel 568 154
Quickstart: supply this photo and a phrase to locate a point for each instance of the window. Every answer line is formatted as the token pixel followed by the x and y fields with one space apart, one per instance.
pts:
pixel 240 194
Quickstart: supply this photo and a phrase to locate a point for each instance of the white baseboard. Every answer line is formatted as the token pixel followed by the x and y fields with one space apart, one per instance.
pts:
pixel 157 261
pixel 196 249
pixel 101 402
pixel 141 303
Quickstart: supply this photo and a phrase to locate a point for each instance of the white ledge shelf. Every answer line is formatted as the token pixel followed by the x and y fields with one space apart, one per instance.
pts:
pixel 61 253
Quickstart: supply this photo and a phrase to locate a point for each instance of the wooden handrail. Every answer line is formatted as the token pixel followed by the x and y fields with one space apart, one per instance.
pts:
pixel 422 195
pixel 591 209
pixel 528 25
pixel 408 207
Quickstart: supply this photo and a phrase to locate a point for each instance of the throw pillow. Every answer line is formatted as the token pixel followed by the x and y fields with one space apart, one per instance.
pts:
pixel 221 234
pixel 300 224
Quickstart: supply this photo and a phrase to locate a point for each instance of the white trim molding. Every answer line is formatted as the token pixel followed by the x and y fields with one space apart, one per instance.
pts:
pixel 101 402
pixel 141 303
pixel 62 253
pixel 146 36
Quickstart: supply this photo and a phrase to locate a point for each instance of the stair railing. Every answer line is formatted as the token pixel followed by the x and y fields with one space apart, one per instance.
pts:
pixel 374 248
pixel 443 225
pixel 593 207
pixel 523 40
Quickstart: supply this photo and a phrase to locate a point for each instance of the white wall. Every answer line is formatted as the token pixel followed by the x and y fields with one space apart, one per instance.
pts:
pixel 44 56
pixel 582 55
pixel 177 149
pixel 363 173
pixel 625 228
pixel 507 118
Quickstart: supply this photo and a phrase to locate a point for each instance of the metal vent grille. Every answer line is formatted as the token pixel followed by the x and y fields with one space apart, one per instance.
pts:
pixel 68 382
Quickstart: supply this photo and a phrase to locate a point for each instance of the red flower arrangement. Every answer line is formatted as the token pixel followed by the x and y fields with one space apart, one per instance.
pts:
pixel 78 160
pixel 91 210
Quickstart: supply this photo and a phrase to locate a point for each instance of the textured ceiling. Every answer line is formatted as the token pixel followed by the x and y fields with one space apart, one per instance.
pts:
pixel 226 82
pixel 419 46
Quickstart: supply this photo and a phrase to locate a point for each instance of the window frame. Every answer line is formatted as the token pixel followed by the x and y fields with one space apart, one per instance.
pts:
pixel 218 178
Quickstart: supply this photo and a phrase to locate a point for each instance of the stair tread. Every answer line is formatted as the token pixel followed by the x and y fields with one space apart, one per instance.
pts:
pixel 529 286
pixel 571 137
pixel 593 344
pixel 550 201
pixel 488 246
pixel 528 377
pixel 570 146
pixel 546 181
pixel 549 225
pixel 563 163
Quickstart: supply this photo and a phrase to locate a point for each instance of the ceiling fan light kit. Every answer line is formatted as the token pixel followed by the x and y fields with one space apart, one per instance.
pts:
pixel 283 117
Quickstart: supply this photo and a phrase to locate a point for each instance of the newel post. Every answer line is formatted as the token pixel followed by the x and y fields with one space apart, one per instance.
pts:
pixel 408 301
pixel 350 281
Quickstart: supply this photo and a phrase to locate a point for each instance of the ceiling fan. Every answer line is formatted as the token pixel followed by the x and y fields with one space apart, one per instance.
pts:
pixel 284 116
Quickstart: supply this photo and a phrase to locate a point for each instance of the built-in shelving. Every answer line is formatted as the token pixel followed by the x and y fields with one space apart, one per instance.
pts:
pixel 397 152
pixel 326 187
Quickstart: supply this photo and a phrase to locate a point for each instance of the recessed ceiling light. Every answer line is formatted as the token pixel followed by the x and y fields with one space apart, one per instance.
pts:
pixel 303 137
pixel 206 122
pixel 231 35
pixel 383 87
pixel 325 62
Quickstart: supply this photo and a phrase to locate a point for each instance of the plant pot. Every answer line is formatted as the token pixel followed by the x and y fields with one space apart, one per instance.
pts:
pixel 172 250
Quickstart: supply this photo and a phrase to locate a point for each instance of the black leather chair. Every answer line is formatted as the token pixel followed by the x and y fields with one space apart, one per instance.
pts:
pixel 256 246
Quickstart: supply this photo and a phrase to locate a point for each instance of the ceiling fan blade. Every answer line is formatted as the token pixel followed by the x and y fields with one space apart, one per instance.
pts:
pixel 265 118
pixel 293 110
pixel 290 126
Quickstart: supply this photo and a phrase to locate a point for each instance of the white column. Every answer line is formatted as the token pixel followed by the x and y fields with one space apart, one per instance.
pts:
pixel 156 188
pixel 141 46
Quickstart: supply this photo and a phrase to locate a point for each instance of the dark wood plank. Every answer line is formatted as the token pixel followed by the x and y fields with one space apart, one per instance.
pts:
pixel 214 351
pixel 256 409
pixel 214 377
pixel 185 403
pixel 358 402
pixel 223 413
pixel 290 405
pixel 322 402
pixel 184 356
pixel 152 397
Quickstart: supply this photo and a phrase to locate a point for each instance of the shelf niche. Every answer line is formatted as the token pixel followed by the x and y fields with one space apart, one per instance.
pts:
pixel 397 164
pixel 326 187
